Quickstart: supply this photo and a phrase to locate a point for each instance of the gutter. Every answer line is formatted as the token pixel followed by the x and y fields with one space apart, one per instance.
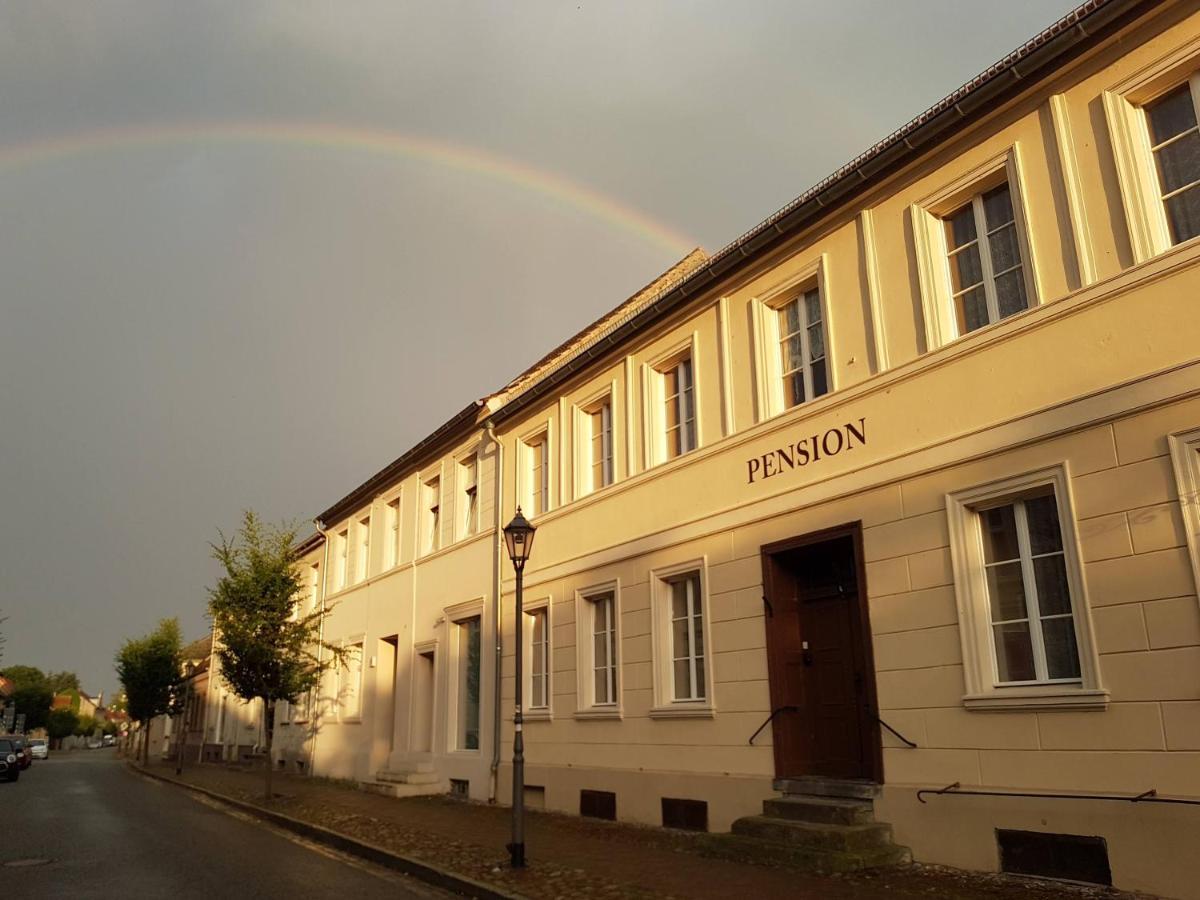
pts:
pixel 1080 29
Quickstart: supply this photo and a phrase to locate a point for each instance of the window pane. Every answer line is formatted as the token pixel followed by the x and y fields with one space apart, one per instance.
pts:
pixel 1004 248
pixel 790 317
pixel 700 678
pixel 679 635
pixel 812 307
pixel 1183 212
pixel 965 269
pixel 600 649
pixel 1062 653
pixel 601 686
pixel 1179 162
pixel 997 207
pixel 539 627
pixel 972 310
pixel 469 709
pixel 793 389
pixel 670 382
pixel 672 410
pixel 1014 653
pixel 683 688
pixel 1006 592
pixel 1172 115
pixel 1054 594
pixel 1010 293
pixel 960 227
pixel 793 355
pixel 678 599
pixel 820 380
pixel 1042 516
pixel 999 526
pixel 816 341
pixel 698 632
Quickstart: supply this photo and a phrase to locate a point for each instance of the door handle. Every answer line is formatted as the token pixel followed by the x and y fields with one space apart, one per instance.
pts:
pixel 806 654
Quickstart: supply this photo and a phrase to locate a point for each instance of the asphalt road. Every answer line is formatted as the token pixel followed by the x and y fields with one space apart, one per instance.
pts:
pixel 82 825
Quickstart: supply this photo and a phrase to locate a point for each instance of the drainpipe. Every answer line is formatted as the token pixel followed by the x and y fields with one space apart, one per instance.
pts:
pixel 313 722
pixel 497 555
pixel 208 685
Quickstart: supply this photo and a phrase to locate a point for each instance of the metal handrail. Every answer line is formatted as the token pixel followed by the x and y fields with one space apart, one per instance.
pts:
pixel 1150 796
pixel 895 732
pixel 770 718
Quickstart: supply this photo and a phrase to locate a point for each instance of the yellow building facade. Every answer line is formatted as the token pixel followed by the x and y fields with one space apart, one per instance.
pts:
pixel 898 490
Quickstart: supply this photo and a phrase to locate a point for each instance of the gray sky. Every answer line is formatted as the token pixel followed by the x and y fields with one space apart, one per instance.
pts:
pixel 196 324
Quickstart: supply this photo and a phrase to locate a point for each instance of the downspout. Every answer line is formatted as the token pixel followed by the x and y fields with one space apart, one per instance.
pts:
pixel 497 554
pixel 313 721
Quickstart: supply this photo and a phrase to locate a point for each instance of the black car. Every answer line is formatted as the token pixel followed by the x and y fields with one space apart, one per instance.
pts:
pixel 10 765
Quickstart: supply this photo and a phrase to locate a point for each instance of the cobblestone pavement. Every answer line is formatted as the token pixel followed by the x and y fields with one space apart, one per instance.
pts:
pixel 570 857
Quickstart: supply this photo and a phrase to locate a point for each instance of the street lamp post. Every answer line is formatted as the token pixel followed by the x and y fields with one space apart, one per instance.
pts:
pixel 518 536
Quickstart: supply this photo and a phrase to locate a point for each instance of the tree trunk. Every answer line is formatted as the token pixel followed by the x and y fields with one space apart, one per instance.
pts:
pixel 146 746
pixel 268 733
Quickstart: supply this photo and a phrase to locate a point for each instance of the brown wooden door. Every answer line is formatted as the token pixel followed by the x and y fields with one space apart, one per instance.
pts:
pixel 819 660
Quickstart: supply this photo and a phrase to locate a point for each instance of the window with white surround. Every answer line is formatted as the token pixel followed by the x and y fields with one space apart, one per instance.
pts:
pixel 431 515
pixel 469 670
pixel 362 556
pixel 679 407
pixel 1185 456
pixel 350 677
pixel 1175 147
pixel 1026 629
pixel 391 524
pixel 598 642
pixel 679 626
pixel 987 271
pixel 468 485
pixel 975 265
pixel 342 551
pixel 596 445
pixel 803 366
pixel 535 474
pixel 537 672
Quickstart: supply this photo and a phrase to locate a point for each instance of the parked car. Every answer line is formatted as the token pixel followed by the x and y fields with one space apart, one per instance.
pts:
pixel 94 743
pixel 10 765
pixel 109 740
pixel 39 748
pixel 21 748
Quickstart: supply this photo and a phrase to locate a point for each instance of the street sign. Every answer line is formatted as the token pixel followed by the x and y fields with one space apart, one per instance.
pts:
pixel 10 713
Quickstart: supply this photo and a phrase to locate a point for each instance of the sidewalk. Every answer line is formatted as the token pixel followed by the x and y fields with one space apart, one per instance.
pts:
pixel 571 857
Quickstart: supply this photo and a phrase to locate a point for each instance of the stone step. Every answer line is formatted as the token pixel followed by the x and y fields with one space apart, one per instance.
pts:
pixel 825 810
pixel 398 789
pixel 829 838
pixel 406 777
pixel 817 786
pixel 752 850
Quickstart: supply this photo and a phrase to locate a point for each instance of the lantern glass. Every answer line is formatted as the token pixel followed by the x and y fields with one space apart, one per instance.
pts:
pixel 518 537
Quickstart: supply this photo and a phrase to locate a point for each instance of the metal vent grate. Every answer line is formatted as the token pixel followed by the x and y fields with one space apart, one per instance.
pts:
pixel 1069 857
pixel 598 805
pixel 460 787
pixel 690 815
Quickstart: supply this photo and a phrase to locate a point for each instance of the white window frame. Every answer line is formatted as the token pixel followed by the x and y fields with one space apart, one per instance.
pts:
pixel 527 446
pixel 970 588
pixel 468 514
pixel 343 677
pixel 362 548
pixel 1129 135
pixel 764 311
pixel 429 524
pixel 654 400
pixel 666 705
pixel 929 238
pixel 455 616
pixel 585 605
pixel 584 459
pixel 342 557
pixel 393 510
pixel 1185 458
pixel 542 606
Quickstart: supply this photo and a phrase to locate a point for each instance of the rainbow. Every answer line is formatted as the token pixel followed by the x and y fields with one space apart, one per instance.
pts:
pixel 340 138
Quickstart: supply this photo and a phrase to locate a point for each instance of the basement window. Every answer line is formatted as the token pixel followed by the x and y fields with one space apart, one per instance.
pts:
pixel 598 805
pixel 1065 857
pixel 688 815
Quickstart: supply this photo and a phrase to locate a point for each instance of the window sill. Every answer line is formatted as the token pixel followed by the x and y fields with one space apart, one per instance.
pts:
pixel 538 715
pixel 598 712
pixel 350 720
pixel 684 711
pixel 1038 698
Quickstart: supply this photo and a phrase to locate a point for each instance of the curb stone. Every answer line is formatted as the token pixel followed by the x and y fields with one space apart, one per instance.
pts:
pixel 431 874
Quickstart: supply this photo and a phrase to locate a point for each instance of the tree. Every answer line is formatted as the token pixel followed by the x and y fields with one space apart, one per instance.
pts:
pixel 63 682
pixel 87 725
pixel 150 669
pixel 267 648
pixel 34 701
pixel 25 676
pixel 61 723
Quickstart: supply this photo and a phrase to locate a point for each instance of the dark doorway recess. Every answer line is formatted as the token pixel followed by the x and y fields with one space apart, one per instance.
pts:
pixel 819 657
